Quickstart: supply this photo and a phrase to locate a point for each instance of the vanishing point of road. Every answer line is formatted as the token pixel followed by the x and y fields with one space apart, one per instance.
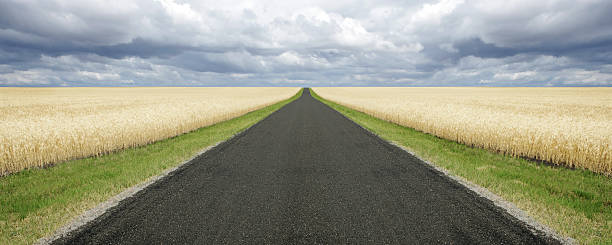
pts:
pixel 305 175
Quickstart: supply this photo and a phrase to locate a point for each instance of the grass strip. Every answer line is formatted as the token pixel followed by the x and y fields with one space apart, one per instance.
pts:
pixel 576 203
pixel 36 202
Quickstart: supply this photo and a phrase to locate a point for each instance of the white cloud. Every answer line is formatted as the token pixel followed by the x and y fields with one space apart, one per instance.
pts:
pixel 431 14
pixel 181 13
pixel 290 58
pixel 512 76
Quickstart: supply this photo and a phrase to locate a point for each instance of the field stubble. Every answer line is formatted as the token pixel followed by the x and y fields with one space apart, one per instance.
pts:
pixel 565 126
pixel 41 126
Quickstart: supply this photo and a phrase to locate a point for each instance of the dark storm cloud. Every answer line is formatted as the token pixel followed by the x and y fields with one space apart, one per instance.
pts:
pixel 478 48
pixel 137 48
pixel 438 42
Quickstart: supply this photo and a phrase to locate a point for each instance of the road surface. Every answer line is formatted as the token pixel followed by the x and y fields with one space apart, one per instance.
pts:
pixel 305 175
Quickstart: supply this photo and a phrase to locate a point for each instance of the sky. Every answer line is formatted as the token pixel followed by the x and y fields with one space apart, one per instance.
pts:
pixel 305 43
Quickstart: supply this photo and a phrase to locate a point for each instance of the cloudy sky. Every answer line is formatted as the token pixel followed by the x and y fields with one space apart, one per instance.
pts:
pixel 299 43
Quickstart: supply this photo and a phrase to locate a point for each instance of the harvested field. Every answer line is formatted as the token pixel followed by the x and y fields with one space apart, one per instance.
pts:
pixel 41 126
pixel 565 126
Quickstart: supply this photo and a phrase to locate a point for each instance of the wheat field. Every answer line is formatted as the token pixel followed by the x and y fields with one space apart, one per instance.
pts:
pixel 565 126
pixel 41 126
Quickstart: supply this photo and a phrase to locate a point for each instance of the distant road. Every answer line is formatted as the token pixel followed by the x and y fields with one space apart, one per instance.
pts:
pixel 306 175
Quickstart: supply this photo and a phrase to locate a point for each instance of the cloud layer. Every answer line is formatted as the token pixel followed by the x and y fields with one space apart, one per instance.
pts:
pixel 378 43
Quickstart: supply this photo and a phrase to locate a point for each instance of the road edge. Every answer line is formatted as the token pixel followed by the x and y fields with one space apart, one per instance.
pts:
pixel 101 208
pixel 533 225
pixel 96 212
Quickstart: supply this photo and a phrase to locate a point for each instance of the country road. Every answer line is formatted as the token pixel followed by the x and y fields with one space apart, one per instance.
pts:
pixel 305 175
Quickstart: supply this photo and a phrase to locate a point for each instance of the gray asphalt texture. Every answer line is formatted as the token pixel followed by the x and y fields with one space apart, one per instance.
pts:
pixel 305 175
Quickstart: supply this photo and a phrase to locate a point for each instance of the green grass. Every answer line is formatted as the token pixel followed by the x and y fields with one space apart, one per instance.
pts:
pixel 36 202
pixel 576 203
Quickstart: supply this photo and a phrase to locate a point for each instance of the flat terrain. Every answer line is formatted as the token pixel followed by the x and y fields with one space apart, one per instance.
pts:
pixel 564 126
pixel 43 126
pixel 305 174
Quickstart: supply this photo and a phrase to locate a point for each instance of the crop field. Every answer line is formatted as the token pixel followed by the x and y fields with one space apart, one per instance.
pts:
pixel 564 126
pixel 41 126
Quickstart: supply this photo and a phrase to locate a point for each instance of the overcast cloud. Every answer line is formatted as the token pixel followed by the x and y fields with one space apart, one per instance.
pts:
pixel 337 43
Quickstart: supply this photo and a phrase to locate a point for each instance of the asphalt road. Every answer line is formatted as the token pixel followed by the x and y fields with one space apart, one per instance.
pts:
pixel 305 175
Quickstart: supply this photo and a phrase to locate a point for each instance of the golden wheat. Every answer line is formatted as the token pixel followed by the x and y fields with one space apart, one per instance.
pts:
pixel 569 126
pixel 49 125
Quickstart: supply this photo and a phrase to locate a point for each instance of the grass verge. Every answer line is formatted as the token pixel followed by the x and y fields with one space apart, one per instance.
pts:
pixel 576 203
pixel 36 202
